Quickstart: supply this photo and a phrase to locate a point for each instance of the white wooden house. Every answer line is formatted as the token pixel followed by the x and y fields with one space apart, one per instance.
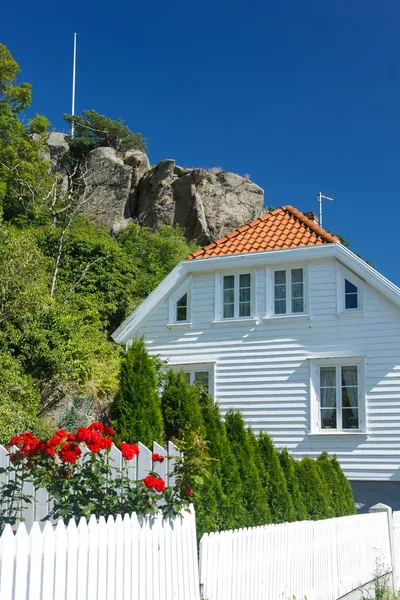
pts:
pixel 284 323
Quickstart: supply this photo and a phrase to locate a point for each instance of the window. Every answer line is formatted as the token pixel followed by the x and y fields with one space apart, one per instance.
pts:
pixel 201 374
pixel 350 295
pixel 236 296
pixel 182 308
pixel 199 377
pixel 289 291
pixel 338 386
pixel 179 304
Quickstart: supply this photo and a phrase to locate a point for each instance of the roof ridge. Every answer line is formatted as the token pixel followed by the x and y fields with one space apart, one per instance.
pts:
pixel 311 224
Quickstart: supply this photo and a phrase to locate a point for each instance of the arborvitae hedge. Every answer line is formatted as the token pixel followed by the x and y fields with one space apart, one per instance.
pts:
pixel 254 498
pixel 280 502
pixel 289 469
pixel 180 406
pixel 136 411
pixel 262 471
pixel 232 512
pixel 345 489
pixel 333 484
pixel 313 489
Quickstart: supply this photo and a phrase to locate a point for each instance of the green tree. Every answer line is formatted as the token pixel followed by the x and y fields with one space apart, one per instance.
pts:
pixel 347 499
pixel 93 130
pixel 136 411
pixel 313 489
pixel 180 405
pixel 254 497
pixel 228 486
pixel 288 467
pixel 280 502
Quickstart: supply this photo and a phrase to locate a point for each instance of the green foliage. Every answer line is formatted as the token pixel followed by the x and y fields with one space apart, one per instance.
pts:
pixel 180 406
pixel 347 498
pixel 135 411
pixel 93 130
pixel 313 488
pixel 254 497
pixel 289 469
pixel 280 502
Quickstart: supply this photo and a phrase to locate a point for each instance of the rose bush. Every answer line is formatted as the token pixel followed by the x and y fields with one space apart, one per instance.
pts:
pixel 76 470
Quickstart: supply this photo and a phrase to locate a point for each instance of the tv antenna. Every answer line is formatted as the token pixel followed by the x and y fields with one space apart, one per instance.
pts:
pixel 320 198
pixel 73 87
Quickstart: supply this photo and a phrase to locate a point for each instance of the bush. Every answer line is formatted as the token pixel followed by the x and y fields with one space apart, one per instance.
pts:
pixel 254 497
pixel 136 411
pixel 289 469
pixel 180 406
pixel 313 489
pixel 280 502
pixel 346 492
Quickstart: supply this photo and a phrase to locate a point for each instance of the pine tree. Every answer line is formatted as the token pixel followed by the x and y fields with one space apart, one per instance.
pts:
pixel 136 411
pixel 348 505
pixel 280 502
pixel 180 405
pixel 254 497
pixel 313 490
pixel 232 514
pixel 288 467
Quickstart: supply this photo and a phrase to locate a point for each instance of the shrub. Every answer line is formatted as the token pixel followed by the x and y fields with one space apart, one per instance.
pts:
pixel 289 469
pixel 180 406
pixel 254 497
pixel 136 411
pixel 280 502
pixel 346 492
pixel 313 490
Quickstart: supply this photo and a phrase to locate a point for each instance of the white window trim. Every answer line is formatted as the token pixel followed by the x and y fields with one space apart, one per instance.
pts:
pixel 270 291
pixel 192 367
pixel 219 296
pixel 315 413
pixel 341 275
pixel 184 288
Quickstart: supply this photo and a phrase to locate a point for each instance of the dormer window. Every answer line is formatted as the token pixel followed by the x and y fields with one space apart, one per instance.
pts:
pixel 350 295
pixel 236 296
pixel 180 304
pixel 288 291
pixel 182 309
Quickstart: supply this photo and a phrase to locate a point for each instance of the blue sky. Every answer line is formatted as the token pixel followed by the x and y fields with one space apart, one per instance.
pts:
pixel 303 96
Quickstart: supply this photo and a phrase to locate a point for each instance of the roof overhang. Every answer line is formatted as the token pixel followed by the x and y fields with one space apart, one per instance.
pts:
pixel 347 258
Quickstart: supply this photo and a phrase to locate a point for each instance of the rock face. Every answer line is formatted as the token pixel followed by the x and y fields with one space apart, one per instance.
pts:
pixel 120 190
pixel 107 189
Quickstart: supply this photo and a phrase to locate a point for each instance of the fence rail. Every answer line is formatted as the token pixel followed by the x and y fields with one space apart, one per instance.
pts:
pixel 117 559
pixel 317 560
pixel 136 469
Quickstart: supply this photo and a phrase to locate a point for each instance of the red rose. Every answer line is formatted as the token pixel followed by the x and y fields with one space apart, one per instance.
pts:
pixel 155 483
pixel 109 430
pixel 188 492
pixel 71 437
pixel 157 458
pixel 97 426
pixel 15 440
pixel 83 434
pixel 129 451
pixel 69 452
pixel 159 485
pixel 106 443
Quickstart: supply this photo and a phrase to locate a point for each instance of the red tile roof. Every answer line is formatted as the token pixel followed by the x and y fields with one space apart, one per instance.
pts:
pixel 285 227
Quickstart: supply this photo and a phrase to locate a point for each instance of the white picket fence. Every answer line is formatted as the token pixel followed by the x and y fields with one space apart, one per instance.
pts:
pixel 121 559
pixel 136 469
pixel 317 560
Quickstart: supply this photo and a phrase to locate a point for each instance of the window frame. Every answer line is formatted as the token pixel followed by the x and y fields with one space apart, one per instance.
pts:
pixel 193 368
pixel 341 275
pixel 184 288
pixel 219 298
pixel 270 291
pixel 315 395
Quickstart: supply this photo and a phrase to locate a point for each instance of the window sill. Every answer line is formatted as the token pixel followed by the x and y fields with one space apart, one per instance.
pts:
pixel 319 433
pixel 278 318
pixel 238 321
pixel 180 325
pixel 350 313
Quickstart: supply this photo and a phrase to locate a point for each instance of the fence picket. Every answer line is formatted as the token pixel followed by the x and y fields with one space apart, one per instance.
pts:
pixel 60 560
pixel 145 464
pixel 173 452
pixel 72 560
pixel 82 570
pixel 48 562
pixel 161 468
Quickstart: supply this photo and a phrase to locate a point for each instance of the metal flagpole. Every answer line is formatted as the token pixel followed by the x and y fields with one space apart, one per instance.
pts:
pixel 73 87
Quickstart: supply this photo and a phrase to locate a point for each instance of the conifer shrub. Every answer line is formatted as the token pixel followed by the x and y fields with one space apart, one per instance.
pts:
pixel 313 490
pixel 348 505
pixel 289 469
pixel 254 498
pixel 180 405
pixel 136 410
pixel 232 514
pixel 280 502
pixel 333 484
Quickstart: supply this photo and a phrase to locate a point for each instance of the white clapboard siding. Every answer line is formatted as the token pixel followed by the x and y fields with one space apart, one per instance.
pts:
pixel 262 367
pixel 317 560
pixel 121 559
pixel 135 469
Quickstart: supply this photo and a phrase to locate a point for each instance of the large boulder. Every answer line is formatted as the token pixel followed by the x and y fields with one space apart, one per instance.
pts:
pixel 210 205
pixel 155 205
pixel 58 145
pixel 139 163
pixel 107 188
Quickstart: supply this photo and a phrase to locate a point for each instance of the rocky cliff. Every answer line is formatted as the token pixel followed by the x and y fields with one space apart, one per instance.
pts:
pixel 121 189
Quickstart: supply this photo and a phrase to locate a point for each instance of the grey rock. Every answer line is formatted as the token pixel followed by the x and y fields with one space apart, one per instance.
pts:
pixel 180 171
pixel 58 145
pixel 139 163
pixel 107 188
pixel 155 205
pixel 210 205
